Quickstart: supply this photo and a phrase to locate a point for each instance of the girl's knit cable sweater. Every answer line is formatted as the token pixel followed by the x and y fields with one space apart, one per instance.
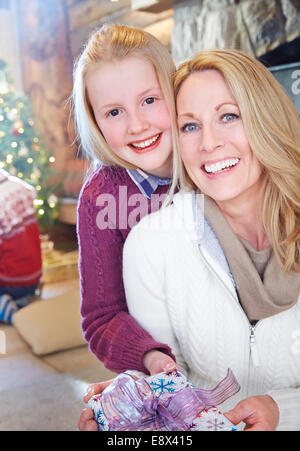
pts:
pixel 109 204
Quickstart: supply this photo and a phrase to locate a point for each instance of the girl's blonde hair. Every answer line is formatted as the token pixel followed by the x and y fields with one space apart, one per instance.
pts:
pixel 272 126
pixel 110 43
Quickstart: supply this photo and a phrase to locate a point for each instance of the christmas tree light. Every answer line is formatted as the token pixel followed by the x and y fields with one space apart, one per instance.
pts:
pixel 22 152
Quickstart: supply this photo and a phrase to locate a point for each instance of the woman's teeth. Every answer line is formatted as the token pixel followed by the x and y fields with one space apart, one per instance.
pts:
pixel 147 143
pixel 221 165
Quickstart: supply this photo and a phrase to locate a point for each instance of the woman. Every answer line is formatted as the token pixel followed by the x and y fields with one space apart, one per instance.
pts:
pixel 218 272
pixel 123 100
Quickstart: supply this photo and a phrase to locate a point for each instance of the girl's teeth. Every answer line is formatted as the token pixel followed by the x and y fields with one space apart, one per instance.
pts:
pixel 213 168
pixel 146 143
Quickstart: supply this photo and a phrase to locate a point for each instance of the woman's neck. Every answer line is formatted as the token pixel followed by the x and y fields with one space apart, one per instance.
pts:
pixel 244 217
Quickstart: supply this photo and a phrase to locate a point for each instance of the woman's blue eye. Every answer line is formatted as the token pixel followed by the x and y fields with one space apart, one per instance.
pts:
pixel 188 128
pixel 114 112
pixel 149 100
pixel 228 117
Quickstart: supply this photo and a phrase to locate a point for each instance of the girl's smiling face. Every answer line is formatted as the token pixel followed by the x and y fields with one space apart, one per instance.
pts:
pixel 214 146
pixel 131 112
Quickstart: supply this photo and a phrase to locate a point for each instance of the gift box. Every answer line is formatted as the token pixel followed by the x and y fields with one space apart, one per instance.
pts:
pixel 162 402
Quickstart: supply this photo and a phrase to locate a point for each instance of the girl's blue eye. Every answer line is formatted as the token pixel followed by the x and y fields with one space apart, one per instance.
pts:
pixel 114 112
pixel 149 100
pixel 188 127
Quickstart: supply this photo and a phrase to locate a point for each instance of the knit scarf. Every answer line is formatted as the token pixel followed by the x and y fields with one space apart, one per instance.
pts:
pixel 260 297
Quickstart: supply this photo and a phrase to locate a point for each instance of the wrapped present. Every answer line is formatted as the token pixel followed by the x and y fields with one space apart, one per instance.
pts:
pixel 162 402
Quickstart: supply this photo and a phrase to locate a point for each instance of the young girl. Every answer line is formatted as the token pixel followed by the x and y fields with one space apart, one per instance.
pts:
pixel 123 101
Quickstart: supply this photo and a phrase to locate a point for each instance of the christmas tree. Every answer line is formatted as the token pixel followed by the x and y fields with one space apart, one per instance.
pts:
pixel 22 152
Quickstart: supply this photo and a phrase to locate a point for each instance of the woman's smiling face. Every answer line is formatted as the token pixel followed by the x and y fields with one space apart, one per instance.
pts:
pixel 131 112
pixel 214 146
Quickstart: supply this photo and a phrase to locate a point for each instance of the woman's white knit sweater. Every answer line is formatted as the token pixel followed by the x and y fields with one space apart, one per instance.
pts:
pixel 180 291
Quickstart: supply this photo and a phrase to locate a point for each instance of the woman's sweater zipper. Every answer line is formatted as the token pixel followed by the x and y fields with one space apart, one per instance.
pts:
pixel 253 348
pixel 252 341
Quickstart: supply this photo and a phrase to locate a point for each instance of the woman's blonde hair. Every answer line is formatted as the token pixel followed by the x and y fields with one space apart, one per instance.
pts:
pixel 110 43
pixel 272 126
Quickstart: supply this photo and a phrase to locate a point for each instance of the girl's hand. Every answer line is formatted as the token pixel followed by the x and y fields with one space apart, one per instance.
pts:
pixel 86 420
pixel 156 361
pixel 260 413
pixel 96 389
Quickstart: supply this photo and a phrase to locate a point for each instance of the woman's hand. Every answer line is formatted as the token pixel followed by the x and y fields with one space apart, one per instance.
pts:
pixel 260 413
pixel 86 420
pixel 156 361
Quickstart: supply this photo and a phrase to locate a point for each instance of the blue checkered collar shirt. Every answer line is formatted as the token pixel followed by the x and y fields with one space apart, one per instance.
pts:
pixel 147 183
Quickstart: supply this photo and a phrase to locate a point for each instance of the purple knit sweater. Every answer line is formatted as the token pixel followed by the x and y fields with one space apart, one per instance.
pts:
pixel 113 335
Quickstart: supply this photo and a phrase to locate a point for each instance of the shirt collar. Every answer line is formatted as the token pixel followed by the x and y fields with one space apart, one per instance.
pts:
pixel 146 183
